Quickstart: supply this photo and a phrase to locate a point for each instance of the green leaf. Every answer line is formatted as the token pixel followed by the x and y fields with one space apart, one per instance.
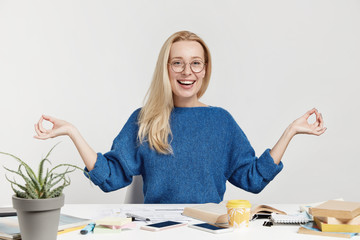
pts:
pixel 59 177
pixel 19 194
pixel 57 191
pixel 31 190
pixel 19 172
pixel 39 186
pixel 66 165
pixel 40 172
pixel 48 154
pixel 15 183
pixel 34 180
pixel 22 163
pixel 43 188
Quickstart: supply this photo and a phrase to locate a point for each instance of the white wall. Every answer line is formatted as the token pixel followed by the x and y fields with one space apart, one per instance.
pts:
pixel 91 62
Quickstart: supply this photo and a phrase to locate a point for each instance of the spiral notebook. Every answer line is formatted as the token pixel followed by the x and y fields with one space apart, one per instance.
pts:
pixel 298 218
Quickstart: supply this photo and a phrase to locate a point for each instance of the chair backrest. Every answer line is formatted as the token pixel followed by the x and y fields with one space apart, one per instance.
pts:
pixel 134 192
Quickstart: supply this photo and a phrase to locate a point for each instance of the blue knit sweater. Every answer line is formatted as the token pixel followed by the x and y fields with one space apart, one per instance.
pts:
pixel 209 149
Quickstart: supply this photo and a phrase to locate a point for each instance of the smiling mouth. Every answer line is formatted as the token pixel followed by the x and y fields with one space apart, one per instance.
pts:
pixel 186 83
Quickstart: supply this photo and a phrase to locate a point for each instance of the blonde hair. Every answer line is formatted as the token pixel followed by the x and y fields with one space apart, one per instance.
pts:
pixel 154 125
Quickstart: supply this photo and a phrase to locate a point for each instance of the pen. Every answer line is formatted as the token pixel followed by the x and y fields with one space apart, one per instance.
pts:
pixel 134 216
pixel 88 228
pixel 70 229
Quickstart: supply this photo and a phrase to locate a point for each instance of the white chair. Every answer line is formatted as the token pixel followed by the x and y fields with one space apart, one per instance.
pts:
pixel 134 192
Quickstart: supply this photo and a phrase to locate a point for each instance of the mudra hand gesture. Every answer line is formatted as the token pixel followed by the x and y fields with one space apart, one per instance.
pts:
pixel 302 126
pixel 59 128
pixel 299 126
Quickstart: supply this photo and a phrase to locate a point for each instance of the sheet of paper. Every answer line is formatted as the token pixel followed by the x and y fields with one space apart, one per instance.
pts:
pixel 155 213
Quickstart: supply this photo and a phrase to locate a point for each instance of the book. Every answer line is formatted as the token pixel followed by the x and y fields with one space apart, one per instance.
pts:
pixel 208 212
pixel 306 207
pixel 67 221
pixel 336 227
pixel 312 229
pixel 264 209
pixel 217 213
pixel 332 220
pixel 9 226
pixel 336 209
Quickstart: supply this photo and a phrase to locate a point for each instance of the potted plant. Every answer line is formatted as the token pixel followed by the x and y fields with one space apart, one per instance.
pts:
pixel 39 199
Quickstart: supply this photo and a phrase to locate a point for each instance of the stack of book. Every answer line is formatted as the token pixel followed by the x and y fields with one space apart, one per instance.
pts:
pixel 334 218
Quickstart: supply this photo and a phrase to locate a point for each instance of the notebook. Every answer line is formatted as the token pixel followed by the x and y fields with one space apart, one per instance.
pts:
pixel 296 218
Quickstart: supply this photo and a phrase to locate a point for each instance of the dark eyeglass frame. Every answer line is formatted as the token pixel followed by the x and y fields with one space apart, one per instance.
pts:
pixel 183 68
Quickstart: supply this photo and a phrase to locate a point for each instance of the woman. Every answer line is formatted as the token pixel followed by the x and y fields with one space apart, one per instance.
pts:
pixel 184 149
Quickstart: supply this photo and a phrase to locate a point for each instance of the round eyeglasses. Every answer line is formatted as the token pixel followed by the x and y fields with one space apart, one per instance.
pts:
pixel 179 66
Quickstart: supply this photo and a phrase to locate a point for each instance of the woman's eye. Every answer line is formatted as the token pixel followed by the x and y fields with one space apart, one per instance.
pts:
pixel 196 63
pixel 176 63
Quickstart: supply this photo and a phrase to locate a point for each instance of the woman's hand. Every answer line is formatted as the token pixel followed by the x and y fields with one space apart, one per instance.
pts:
pixel 59 128
pixel 299 126
pixel 302 126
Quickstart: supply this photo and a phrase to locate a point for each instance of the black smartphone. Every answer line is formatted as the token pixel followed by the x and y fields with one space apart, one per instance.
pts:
pixel 211 228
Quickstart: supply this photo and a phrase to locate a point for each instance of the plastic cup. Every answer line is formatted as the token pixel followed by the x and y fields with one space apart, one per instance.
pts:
pixel 238 213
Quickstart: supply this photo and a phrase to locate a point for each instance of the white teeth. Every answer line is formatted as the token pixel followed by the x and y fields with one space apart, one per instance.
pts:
pixel 187 82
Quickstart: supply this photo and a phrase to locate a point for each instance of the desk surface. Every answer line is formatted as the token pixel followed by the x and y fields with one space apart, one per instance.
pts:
pixel 254 231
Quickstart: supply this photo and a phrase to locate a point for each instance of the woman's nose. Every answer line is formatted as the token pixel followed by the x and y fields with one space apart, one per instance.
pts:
pixel 187 69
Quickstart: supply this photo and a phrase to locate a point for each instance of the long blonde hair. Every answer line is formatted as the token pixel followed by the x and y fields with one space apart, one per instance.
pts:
pixel 154 125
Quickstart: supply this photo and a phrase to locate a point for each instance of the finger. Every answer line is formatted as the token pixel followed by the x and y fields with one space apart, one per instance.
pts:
pixel 316 124
pixel 41 138
pixel 321 120
pixel 318 131
pixel 46 134
pixel 41 135
pixel 40 126
pixel 37 130
pixel 322 131
pixel 49 118
pixel 309 113
pixel 318 117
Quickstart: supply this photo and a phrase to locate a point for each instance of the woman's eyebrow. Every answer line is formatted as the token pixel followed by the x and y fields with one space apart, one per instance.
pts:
pixel 197 57
pixel 183 58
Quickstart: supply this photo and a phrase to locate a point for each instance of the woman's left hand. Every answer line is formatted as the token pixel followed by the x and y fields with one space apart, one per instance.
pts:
pixel 299 126
pixel 302 126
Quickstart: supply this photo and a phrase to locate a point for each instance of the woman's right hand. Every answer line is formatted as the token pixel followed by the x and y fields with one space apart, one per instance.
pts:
pixel 59 128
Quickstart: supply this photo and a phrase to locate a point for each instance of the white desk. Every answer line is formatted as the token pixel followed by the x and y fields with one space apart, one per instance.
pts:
pixel 254 231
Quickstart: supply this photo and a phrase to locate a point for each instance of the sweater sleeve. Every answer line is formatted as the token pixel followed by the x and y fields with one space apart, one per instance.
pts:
pixel 115 169
pixel 247 171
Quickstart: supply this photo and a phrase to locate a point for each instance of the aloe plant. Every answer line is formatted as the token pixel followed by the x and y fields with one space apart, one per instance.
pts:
pixel 40 185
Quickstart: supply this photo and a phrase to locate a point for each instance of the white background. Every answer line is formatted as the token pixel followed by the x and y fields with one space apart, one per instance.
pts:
pixel 91 62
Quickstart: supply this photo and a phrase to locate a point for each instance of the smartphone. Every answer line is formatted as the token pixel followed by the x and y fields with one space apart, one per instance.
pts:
pixel 162 226
pixel 211 228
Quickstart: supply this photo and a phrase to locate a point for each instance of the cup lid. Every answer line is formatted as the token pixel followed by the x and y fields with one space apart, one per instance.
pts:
pixel 238 204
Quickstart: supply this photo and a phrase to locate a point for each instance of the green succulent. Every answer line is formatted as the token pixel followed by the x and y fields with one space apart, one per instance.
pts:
pixel 40 185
